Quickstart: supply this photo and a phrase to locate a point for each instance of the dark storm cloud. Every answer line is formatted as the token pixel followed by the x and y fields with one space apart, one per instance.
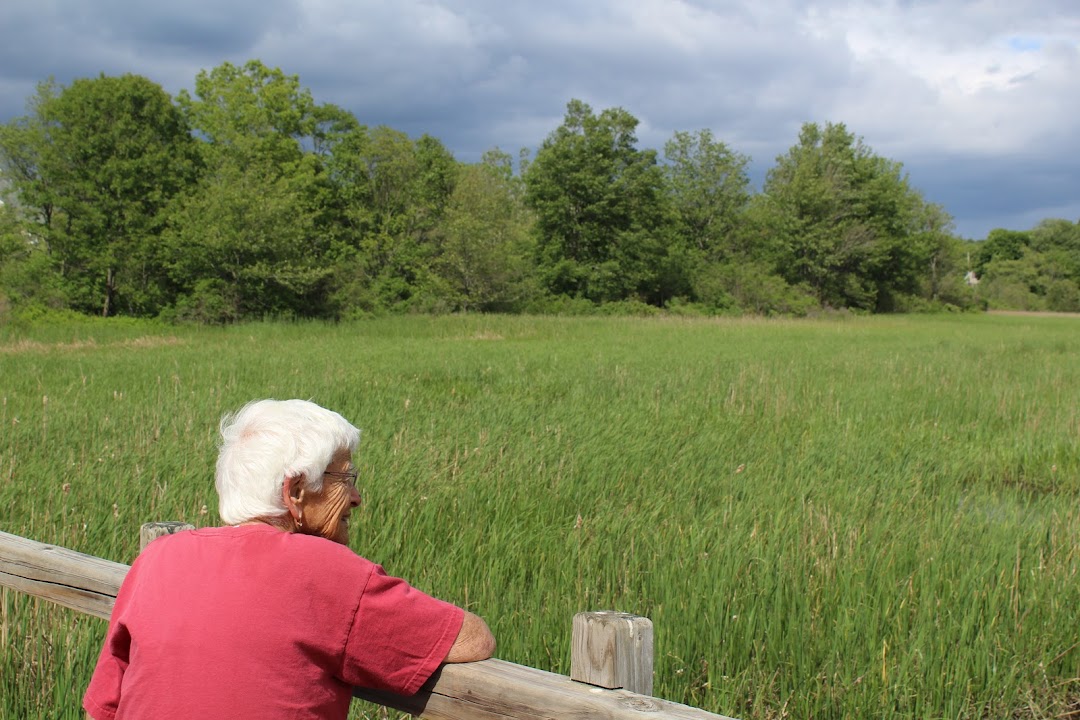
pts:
pixel 470 77
pixel 1011 192
pixel 200 27
pixel 167 42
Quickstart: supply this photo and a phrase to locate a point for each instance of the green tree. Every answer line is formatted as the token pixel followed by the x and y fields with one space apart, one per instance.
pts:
pixel 98 164
pixel 393 193
pixel 252 111
pixel 28 274
pixel 1063 295
pixel 709 191
pixel 245 244
pixel 484 246
pixel 1059 241
pixel 1031 270
pixel 23 142
pixel 1002 245
pixel 599 202
pixel 843 217
pixel 254 237
pixel 1014 283
pixel 393 254
pixel 939 255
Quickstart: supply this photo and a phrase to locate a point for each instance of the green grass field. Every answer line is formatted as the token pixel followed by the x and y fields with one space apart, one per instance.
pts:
pixel 836 518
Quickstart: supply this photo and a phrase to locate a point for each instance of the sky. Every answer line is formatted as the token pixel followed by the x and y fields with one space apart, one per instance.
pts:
pixel 978 99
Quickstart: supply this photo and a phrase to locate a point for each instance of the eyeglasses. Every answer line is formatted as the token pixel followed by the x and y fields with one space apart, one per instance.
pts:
pixel 349 478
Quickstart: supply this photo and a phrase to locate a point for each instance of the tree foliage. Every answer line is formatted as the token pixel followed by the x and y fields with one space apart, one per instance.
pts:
pixel 843 217
pixel 245 244
pixel 245 241
pixel 484 253
pixel 1037 269
pixel 403 187
pixel 709 194
pixel 600 208
pixel 247 198
pixel 709 190
pixel 251 111
pixel 96 164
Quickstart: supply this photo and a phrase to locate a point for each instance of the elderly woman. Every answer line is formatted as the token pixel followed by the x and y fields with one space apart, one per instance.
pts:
pixel 272 616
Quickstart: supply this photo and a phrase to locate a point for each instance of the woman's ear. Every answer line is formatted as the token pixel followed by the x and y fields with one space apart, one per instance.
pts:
pixel 292 495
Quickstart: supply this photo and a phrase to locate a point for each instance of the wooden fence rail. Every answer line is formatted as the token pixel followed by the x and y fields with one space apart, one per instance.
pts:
pixel 487 690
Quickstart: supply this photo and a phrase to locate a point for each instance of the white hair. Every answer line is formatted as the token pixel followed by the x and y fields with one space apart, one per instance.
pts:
pixel 267 441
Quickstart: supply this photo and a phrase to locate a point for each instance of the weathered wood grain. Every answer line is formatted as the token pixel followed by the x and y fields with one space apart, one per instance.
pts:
pixel 81 582
pixel 497 690
pixel 613 650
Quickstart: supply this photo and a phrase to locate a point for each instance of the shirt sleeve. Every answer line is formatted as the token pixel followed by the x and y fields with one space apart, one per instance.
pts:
pixel 399 635
pixel 103 694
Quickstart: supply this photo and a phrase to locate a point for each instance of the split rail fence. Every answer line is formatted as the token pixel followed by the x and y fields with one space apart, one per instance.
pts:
pixel 611 655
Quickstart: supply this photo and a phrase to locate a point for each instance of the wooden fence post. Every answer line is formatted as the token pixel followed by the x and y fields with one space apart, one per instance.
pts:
pixel 153 530
pixel 613 650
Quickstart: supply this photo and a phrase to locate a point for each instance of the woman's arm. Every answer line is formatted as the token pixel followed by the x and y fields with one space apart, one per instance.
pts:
pixel 474 641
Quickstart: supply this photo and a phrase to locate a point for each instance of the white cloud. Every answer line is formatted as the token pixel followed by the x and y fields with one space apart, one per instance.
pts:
pixel 976 77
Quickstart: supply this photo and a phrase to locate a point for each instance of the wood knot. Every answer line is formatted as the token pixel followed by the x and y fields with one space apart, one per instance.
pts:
pixel 641 704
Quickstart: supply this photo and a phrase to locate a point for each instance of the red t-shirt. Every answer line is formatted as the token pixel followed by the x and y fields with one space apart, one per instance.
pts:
pixel 252 622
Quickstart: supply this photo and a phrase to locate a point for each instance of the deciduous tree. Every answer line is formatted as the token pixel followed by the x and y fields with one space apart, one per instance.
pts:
pixel 483 257
pixel 709 190
pixel 253 238
pixel 98 163
pixel 842 216
pixel 600 208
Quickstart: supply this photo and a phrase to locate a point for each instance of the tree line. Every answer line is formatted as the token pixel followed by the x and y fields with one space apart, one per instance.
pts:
pixel 245 198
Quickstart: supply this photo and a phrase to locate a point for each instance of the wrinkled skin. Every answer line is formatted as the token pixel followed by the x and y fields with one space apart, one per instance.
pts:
pixel 326 513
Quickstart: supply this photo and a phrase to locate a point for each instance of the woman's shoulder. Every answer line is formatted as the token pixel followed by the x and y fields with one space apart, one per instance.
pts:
pixel 318 562
pixel 326 550
pixel 258 543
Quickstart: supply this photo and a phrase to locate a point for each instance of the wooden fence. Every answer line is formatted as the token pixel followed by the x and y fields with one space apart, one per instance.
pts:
pixel 613 651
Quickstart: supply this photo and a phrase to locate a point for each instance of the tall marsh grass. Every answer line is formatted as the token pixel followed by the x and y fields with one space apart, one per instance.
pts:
pixel 861 517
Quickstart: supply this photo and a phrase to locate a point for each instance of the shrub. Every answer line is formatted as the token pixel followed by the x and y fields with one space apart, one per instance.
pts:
pixel 211 302
pixel 1063 296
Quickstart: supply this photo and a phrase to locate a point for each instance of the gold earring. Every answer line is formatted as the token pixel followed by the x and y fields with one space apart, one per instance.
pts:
pixel 300 521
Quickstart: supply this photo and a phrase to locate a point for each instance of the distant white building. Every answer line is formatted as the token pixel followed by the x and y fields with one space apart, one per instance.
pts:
pixel 971 278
